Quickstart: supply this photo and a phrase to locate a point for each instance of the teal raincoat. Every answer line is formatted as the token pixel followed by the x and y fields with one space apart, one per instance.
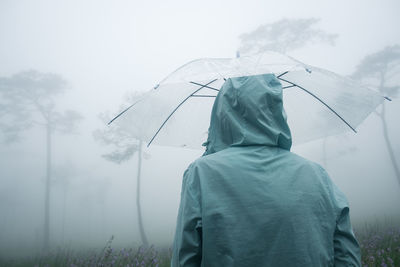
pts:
pixel 249 201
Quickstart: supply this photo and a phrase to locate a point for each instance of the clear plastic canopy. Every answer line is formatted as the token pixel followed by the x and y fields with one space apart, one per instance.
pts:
pixel 318 103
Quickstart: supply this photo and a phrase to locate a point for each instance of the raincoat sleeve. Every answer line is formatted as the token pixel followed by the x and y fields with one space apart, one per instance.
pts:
pixel 187 247
pixel 346 248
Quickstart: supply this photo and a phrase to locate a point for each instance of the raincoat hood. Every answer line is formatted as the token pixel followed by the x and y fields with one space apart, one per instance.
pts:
pixel 248 111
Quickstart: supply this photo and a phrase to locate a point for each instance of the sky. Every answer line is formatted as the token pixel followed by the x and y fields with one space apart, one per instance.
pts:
pixel 107 50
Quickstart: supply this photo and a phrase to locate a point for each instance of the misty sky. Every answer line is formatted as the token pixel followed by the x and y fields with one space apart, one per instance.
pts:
pixel 106 48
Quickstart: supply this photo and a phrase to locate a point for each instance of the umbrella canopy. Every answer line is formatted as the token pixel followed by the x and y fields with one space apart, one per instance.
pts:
pixel 318 102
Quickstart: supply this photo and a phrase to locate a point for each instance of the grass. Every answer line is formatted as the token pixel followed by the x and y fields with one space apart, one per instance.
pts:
pixel 107 257
pixel 380 246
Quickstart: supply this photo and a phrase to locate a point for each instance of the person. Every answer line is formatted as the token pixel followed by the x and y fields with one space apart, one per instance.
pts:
pixel 249 201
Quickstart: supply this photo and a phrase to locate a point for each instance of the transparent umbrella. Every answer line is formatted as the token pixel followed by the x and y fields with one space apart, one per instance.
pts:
pixel 318 103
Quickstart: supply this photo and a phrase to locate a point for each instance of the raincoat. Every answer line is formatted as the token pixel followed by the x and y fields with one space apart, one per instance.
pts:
pixel 249 201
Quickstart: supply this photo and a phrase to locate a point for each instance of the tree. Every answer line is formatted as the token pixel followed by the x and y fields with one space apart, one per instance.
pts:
pixel 63 175
pixel 380 70
pixel 28 99
pixel 126 145
pixel 283 36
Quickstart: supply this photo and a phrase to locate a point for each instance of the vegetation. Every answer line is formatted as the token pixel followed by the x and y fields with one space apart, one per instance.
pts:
pixel 380 71
pixel 125 144
pixel 107 257
pixel 380 246
pixel 284 35
pixel 28 99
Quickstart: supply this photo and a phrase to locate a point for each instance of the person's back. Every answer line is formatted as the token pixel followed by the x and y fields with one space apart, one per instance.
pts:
pixel 249 201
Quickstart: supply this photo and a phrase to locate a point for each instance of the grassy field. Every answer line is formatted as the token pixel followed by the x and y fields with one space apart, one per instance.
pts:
pixel 107 257
pixel 380 246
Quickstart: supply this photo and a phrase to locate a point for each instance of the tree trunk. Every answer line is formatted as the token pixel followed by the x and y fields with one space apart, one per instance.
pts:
pixel 63 212
pixel 388 143
pixel 382 116
pixel 139 210
pixel 46 239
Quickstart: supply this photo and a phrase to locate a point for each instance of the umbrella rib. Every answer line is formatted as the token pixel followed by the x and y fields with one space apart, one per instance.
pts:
pixel 125 110
pixel 282 74
pixel 320 100
pixel 180 104
pixel 205 86
pixel 289 86
pixel 204 96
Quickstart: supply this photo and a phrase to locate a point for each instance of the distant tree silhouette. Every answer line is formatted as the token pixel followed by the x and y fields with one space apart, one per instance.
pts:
pixel 28 99
pixel 381 70
pixel 125 146
pixel 283 36
pixel 63 175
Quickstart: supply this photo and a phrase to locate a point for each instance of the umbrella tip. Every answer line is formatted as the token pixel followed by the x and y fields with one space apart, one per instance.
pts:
pixel 387 98
pixel 111 121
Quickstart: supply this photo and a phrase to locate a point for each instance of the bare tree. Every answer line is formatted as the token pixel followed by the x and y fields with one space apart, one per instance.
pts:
pixel 381 70
pixel 28 99
pixel 284 35
pixel 126 145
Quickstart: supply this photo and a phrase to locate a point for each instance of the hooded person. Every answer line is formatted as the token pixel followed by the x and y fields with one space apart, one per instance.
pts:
pixel 249 201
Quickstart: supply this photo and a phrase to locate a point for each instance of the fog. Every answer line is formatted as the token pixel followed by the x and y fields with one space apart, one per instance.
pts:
pixel 107 51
